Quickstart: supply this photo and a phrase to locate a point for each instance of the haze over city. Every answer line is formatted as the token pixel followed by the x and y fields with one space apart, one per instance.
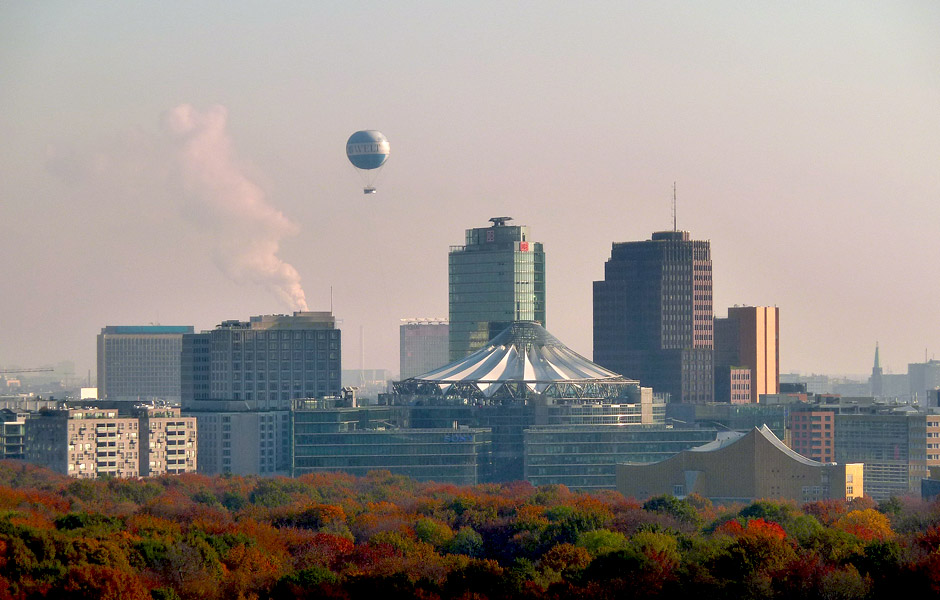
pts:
pixel 184 163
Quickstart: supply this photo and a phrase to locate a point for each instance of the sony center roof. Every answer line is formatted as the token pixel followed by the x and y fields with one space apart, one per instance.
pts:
pixel 529 359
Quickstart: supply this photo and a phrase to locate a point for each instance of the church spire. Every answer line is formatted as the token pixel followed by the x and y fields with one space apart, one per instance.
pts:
pixel 877 384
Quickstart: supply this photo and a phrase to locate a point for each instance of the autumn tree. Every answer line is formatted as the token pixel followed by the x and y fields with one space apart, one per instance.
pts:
pixel 99 582
pixel 867 524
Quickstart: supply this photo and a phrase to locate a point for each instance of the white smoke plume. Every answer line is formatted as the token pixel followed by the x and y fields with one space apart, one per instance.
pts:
pixel 229 207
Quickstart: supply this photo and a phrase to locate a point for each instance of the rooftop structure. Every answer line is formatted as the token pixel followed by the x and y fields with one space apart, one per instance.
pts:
pixel 524 360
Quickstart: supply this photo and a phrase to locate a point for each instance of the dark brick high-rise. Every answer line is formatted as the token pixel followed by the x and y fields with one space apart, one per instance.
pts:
pixel 653 317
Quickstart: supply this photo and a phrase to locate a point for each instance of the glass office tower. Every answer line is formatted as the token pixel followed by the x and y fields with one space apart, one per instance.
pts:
pixel 496 278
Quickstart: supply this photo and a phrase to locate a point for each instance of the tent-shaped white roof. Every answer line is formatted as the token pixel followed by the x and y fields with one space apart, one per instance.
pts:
pixel 522 353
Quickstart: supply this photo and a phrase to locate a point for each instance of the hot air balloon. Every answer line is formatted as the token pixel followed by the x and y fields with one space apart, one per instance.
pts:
pixel 367 151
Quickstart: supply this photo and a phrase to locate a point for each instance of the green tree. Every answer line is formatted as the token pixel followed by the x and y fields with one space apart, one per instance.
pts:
pixel 467 542
pixel 602 541
pixel 434 532
pixel 678 509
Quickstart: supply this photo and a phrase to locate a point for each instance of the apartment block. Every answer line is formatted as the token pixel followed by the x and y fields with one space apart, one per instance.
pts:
pixel 93 442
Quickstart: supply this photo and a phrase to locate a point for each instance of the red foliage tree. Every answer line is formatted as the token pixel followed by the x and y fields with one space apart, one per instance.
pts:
pixel 826 511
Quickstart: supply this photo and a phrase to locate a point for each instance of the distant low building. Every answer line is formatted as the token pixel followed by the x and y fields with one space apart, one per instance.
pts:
pixel 369 383
pixel 742 468
pixel 924 378
pixel 423 345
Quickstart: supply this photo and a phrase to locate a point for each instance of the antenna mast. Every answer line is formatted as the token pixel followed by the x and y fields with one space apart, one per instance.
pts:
pixel 674 227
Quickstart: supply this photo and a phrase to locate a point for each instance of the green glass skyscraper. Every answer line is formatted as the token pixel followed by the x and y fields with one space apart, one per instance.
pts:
pixel 496 278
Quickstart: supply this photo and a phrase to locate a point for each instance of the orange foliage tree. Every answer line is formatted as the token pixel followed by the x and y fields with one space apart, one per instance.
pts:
pixel 867 525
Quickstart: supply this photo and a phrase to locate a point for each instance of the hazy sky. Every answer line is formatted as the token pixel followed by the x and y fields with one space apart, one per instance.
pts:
pixel 183 163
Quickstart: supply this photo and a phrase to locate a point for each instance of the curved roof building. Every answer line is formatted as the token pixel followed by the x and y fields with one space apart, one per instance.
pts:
pixel 741 467
pixel 524 360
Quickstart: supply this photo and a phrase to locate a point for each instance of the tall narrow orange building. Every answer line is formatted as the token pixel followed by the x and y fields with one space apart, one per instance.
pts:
pixel 750 337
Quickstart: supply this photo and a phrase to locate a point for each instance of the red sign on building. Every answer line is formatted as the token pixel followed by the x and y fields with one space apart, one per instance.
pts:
pixel 523 246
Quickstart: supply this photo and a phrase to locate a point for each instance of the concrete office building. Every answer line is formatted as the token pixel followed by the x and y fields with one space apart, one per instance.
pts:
pixel 653 318
pixel 495 278
pixel 239 380
pixel 424 346
pixel 140 363
pixel 243 442
pixel 933 440
pixel 733 385
pixel 812 432
pixel 93 442
pixel 749 337
pixel 742 468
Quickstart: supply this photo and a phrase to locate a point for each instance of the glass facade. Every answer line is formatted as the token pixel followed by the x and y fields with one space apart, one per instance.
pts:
pixel 359 440
pixel 496 278
pixel 509 423
pixel 585 456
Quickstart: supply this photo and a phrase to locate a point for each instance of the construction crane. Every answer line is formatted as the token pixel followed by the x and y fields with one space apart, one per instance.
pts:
pixel 39 370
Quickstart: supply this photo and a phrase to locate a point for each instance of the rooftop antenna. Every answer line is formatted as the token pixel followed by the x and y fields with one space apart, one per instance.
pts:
pixel 331 299
pixel 674 227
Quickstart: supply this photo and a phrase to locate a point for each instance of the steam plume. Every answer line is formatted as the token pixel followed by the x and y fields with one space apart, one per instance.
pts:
pixel 232 209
